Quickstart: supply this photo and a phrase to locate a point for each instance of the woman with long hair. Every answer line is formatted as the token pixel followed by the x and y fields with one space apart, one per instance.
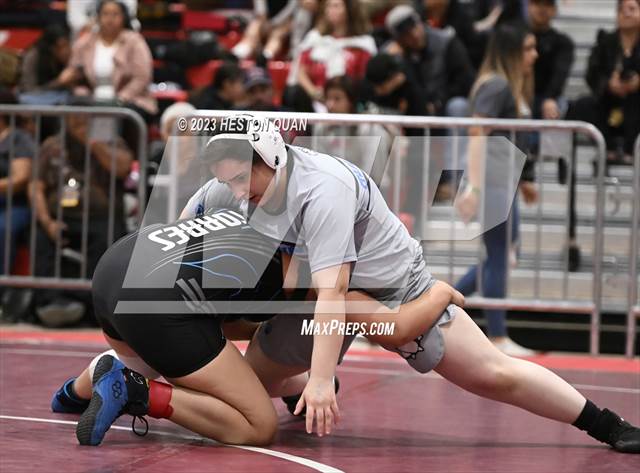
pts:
pixel 503 89
pixel 44 62
pixel 339 45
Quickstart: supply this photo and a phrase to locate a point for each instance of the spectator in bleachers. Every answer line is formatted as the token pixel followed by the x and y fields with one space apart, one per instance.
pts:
pixel 272 20
pixel 362 144
pixel 60 208
pixel 81 14
pixel 613 75
pixel 259 90
pixel 226 92
pixel 340 96
pixel 438 63
pixel 503 89
pixel 436 59
pixel 42 65
pixel 451 13
pixel 112 63
pixel 555 58
pixel 14 174
pixel 388 91
pixel 303 20
pixel 340 44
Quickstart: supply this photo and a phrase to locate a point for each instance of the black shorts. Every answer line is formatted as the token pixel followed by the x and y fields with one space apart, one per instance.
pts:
pixel 163 290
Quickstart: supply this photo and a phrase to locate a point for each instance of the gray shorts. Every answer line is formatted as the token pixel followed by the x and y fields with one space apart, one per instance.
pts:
pixel 426 351
pixel 281 340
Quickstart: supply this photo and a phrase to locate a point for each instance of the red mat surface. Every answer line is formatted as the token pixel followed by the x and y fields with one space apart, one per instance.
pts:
pixel 393 420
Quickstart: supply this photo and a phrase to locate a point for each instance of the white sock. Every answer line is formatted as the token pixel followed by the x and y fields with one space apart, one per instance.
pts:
pixel 134 363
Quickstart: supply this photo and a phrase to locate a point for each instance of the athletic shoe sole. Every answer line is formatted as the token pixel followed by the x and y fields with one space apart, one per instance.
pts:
pixel 55 316
pixel 87 422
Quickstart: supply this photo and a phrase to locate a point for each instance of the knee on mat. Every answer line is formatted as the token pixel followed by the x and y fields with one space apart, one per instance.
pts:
pixel 259 433
pixel 265 434
pixel 262 431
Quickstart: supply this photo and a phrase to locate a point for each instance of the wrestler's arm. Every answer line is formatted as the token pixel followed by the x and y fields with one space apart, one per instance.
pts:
pixel 319 393
pixel 411 319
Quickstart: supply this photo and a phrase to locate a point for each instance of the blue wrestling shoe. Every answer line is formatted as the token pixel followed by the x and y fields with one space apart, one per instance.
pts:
pixel 116 391
pixel 65 401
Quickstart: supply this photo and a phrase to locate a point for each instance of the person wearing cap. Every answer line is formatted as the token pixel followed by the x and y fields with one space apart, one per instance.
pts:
pixel 436 59
pixel 259 90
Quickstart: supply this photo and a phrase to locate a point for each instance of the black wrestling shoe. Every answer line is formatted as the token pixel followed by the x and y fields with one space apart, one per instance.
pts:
pixel 624 437
pixel 292 401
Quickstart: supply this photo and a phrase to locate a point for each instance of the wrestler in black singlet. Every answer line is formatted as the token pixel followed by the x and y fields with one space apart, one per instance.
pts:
pixel 197 266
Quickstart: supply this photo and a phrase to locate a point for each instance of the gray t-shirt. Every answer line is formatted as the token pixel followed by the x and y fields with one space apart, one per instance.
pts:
pixel 494 99
pixel 504 163
pixel 333 214
pixel 23 147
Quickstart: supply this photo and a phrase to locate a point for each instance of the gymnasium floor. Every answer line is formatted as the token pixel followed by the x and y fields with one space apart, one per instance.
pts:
pixel 393 421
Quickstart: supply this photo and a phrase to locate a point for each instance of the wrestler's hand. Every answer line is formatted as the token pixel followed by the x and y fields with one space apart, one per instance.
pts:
pixel 320 398
pixel 456 296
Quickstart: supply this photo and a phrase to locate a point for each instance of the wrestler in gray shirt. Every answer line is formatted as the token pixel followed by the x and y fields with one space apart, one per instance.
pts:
pixel 333 214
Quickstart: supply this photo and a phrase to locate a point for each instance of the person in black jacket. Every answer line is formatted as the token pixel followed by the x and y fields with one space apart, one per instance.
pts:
pixel 437 62
pixel 555 58
pixel 435 59
pixel 226 91
pixel 614 78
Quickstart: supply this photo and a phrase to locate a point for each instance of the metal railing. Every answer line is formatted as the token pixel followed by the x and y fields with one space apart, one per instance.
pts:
pixel 95 132
pixel 633 302
pixel 593 306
